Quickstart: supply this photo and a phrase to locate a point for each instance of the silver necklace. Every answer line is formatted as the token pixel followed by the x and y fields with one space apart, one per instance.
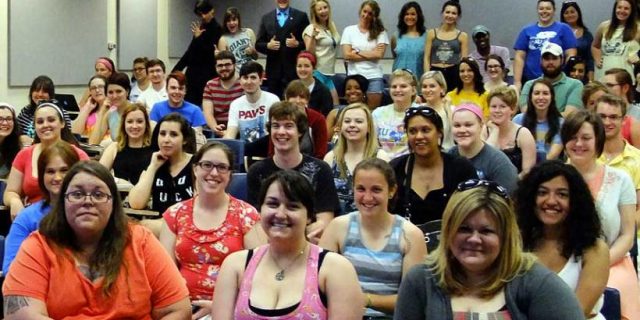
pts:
pixel 279 276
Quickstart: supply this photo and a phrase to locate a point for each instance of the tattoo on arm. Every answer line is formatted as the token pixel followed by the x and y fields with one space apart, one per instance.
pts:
pixel 14 303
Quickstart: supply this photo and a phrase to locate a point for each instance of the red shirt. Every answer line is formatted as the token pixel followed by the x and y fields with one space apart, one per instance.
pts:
pixel 221 98
pixel 318 126
pixel 200 252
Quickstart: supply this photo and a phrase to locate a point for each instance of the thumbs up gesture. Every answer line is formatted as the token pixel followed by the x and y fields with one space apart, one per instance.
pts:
pixel 292 42
pixel 274 44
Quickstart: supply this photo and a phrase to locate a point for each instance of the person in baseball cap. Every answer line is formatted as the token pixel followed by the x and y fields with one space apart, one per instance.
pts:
pixel 481 37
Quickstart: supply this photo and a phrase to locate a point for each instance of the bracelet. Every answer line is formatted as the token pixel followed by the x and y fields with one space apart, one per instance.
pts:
pixel 369 303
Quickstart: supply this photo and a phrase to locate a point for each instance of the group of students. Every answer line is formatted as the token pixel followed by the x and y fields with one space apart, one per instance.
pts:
pixel 521 235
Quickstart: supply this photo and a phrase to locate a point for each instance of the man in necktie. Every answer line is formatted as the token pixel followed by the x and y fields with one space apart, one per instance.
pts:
pixel 280 39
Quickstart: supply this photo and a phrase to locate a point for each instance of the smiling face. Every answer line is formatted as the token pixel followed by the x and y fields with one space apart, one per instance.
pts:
pixel 281 217
pixel 226 69
pixel 156 74
pixel 411 17
pixel 354 125
pixel 466 128
pixel 86 217
pixel 552 201
pixel 304 69
pixel 432 91
pixel 48 124
pixel 170 138
pixel 466 74
pixel 135 125
pixel 612 117
pixel 232 25
pixel 578 71
pixel 40 94
pixel 450 15
pixel 212 181
pixel 366 15
pixel 322 11
pixel 284 135
pixel 545 12
pixel 282 4
pixel 54 173
pixel 582 146
pixel 353 92
pixel 402 92
pixel 614 86
pixel 499 111
pixel 117 95
pixel 250 83
pixel 481 40
pixel 140 72
pixel 97 90
pixel 476 243
pixel 176 92
pixel 423 136
pixel 102 70
pixel 6 122
pixel 623 10
pixel 494 70
pixel 371 192
pixel 570 16
pixel 541 96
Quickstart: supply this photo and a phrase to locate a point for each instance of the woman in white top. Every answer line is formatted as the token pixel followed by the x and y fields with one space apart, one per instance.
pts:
pixel 560 225
pixel 615 44
pixel 321 38
pixel 363 45
pixel 236 39
pixel 583 138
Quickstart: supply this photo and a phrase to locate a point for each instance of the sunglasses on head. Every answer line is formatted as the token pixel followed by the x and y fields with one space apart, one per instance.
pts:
pixel 490 185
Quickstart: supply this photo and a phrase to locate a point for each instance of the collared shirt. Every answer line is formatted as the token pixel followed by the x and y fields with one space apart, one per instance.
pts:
pixel 628 161
pixel 568 91
pixel 282 15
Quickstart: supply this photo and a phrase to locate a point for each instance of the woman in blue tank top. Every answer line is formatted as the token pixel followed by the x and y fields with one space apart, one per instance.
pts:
pixel 407 45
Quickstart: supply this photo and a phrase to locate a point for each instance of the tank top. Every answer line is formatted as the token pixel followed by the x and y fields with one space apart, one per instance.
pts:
pixel 570 274
pixel 237 44
pixel 130 162
pixel 310 307
pixel 344 188
pixel 379 272
pixel 445 51
pixel 515 154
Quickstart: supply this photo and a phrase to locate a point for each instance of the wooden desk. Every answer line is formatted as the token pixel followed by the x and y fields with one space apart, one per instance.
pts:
pixel 141 213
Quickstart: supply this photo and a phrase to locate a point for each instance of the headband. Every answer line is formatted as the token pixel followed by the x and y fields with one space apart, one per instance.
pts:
pixel 471 108
pixel 106 63
pixel 52 105
pixel 8 106
pixel 308 55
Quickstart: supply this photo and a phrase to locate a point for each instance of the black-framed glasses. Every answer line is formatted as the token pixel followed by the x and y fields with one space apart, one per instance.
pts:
pixel 6 119
pixel 224 65
pixel 492 186
pixel 209 166
pixel 80 196
pixel 612 117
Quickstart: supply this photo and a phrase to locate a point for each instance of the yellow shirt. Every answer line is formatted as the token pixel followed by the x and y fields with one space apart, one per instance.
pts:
pixel 470 96
pixel 628 161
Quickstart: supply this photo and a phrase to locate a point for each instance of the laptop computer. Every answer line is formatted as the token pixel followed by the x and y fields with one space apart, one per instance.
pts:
pixel 69 104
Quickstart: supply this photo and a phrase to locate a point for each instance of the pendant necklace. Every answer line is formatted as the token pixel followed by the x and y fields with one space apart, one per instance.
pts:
pixel 279 276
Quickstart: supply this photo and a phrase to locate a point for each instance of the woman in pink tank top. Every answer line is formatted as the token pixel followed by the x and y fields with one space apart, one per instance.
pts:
pixel 289 278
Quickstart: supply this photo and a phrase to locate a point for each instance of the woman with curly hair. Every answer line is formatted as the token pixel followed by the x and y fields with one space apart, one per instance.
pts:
pixel 560 225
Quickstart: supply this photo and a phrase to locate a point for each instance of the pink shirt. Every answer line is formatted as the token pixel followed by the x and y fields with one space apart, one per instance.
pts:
pixel 310 307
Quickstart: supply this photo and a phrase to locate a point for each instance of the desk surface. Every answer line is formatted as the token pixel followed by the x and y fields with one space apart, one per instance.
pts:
pixel 144 213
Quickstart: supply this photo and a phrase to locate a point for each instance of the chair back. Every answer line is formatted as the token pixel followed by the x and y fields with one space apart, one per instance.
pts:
pixel 611 306
pixel 237 146
pixel 238 186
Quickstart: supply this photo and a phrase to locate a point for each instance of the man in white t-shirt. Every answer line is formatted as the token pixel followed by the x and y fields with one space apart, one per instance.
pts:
pixel 248 114
pixel 157 91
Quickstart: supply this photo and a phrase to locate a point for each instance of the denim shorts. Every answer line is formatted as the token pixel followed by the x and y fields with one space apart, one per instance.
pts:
pixel 376 85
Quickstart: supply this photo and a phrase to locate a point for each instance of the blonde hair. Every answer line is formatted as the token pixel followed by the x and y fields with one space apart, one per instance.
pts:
pixel 314 19
pixel 511 260
pixel 506 94
pixel 371 143
pixel 123 138
pixel 408 76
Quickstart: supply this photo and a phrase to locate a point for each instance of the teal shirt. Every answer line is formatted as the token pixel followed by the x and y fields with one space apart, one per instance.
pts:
pixel 568 91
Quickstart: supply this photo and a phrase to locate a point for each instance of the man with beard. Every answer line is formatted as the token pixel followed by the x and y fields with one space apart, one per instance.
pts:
pixel 199 59
pixel 280 38
pixel 567 91
pixel 220 92
pixel 482 38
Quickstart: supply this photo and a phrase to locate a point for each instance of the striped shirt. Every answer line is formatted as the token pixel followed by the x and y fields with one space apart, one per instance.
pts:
pixel 221 98
pixel 26 117
pixel 379 272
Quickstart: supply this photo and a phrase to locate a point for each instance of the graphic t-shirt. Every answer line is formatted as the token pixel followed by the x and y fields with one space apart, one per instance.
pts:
pixel 251 118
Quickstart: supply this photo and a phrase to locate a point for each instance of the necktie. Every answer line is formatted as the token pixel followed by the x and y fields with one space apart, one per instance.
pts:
pixel 282 18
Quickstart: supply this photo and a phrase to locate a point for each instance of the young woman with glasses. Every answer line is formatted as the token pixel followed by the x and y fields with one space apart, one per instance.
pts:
pixel 199 233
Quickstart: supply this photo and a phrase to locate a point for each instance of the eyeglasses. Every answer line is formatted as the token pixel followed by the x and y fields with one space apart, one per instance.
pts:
pixel 79 196
pixel 224 65
pixel 139 69
pixel 209 166
pixel 612 117
pixel 6 119
pixel 493 66
pixel 490 185
pixel 98 87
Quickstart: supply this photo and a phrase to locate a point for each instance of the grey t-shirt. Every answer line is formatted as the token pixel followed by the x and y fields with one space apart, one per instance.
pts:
pixel 492 164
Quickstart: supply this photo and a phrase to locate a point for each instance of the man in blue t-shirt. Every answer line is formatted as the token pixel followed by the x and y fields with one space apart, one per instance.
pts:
pixel 176 91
